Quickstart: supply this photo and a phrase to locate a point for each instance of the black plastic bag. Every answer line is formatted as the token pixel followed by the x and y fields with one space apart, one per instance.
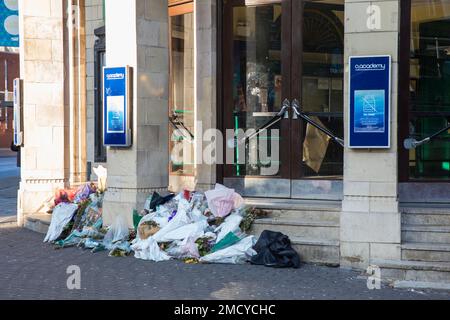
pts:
pixel 274 250
pixel 158 200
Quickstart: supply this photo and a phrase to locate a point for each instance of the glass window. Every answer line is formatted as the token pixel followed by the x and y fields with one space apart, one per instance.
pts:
pixel 256 77
pixel 429 108
pixel 322 86
pixel 182 101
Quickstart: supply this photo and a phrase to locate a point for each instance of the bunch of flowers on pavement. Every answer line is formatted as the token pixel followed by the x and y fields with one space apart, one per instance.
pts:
pixel 191 226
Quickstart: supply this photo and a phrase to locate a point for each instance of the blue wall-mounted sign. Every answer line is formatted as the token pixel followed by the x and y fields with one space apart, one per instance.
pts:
pixel 370 96
pixel 116 107
pixel 9 23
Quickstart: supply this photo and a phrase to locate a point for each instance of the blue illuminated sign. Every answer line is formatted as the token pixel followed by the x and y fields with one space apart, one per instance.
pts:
pixel 369 97
pixel 9 23
pixel 116 130
pixel 17 124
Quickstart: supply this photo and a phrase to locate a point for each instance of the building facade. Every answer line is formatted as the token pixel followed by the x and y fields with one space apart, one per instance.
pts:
pixel 204 67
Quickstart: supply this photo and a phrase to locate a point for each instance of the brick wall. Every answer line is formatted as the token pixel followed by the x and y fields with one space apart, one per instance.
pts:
pixel 6 130
pixel 94 20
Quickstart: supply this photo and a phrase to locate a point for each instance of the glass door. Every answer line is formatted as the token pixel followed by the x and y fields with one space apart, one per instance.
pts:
pixel 276 52
pixel 318 73
pixel 256 68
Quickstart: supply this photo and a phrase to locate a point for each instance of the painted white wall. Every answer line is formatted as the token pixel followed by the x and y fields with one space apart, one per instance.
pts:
pixel 121 25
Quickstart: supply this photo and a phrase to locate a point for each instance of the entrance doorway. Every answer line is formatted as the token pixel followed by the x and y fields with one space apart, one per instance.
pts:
pixel 276 52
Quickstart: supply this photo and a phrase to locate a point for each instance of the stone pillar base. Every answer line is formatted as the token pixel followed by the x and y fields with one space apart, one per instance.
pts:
pixel 122 201
pixel 359 255
pixel 33 195
pixel 369 229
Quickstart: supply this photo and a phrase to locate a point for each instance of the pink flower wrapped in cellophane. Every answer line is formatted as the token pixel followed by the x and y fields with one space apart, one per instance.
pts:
pixel 221 200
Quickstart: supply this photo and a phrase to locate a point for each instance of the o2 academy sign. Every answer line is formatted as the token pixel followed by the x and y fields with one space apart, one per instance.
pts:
pixel 369 98
pixel 117 106
pixel 370 67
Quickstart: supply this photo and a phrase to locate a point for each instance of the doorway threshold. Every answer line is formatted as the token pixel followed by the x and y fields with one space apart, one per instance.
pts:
pixel 293 204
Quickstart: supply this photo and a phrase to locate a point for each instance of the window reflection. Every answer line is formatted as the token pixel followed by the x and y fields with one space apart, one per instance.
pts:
pixel 322 86
pixel 182 94
pixel 430 87
pixel 256 75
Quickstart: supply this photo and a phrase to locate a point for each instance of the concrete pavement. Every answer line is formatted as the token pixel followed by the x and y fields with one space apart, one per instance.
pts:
pixel 32 269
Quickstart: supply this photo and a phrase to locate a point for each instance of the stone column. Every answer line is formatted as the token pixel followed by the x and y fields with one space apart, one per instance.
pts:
pixel 370 218
pixel 94 19
pixel 206 74
pixel 77 83
pixel 44 165
pixel 137 35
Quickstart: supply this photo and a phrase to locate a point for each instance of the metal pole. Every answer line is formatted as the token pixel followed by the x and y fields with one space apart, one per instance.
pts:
pixel 6 80
pixel 412 143
pixel 296 107
pixel 6 91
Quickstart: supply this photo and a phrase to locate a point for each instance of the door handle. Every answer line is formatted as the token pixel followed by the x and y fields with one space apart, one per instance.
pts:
pixel 295 108
pixel 284 112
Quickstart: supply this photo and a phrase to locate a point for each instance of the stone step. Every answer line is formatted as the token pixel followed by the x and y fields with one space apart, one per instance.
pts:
pixel 38 222
pixel 432 252
pixel 434 274
pixel 293 204
pixel 421 285
pixel 426 233
pixel 318 230
pixel 426 209
pixel 298 209
pixel 307 215
pixel 428 215
pixel 317 252
pixel 8 224
pixel 8 220
pixel 426 219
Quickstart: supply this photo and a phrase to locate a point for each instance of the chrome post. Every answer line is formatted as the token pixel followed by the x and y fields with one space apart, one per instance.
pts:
pixel 295 107
pixel 284 112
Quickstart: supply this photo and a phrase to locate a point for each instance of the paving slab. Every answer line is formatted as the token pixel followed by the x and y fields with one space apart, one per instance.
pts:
pixel 31 269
